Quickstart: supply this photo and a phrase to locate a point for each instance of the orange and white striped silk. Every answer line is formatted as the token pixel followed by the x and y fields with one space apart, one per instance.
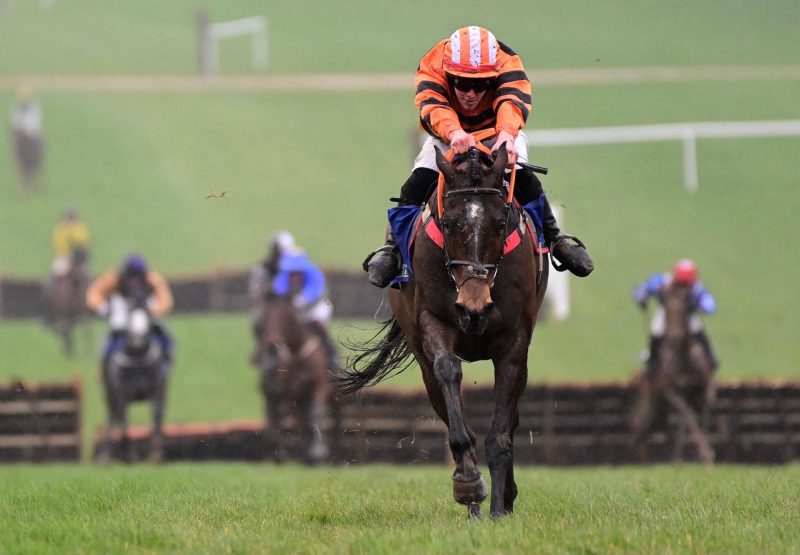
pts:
pixel 505 107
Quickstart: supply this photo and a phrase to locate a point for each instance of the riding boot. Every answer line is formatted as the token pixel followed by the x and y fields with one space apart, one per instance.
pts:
pixel 702 338
pixel 652 357
pixel 383 264
pixel 568 250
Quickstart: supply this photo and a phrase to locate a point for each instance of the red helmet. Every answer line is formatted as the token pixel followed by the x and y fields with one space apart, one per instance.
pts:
pixel 471 52
pixel 685 271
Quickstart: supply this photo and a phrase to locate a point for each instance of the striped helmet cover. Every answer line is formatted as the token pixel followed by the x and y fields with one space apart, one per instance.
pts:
pixel 471 52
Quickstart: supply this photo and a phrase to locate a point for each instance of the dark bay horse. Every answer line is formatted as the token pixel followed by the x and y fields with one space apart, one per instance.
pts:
pixel 64 299
pixel 295 379
pixel 138 370
pixel 683 379
pixel 467 301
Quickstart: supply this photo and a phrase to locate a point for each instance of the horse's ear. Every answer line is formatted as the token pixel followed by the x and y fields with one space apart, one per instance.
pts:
pixel 500 162
pixel 444 165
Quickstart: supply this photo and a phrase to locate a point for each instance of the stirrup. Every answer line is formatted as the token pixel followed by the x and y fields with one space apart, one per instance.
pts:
pixel 558 266
pixel 370 256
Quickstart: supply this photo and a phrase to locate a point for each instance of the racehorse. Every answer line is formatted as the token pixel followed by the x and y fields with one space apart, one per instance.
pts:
pixel 683 378
pixel 64 304
pixel 472 299
pixel 295 380
pixel 137 371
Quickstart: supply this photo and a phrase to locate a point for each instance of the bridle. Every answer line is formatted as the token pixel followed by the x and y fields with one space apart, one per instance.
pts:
pixel 476 270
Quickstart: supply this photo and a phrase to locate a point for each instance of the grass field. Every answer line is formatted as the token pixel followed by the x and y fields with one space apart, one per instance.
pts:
pixel 322 164
pixel 308 35
pixel 227 508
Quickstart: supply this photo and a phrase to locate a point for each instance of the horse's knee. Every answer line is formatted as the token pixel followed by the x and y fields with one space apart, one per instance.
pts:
pixel 499 449
pixel 447 369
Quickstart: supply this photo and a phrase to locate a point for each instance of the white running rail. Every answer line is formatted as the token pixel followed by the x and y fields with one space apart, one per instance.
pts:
pixel 688 133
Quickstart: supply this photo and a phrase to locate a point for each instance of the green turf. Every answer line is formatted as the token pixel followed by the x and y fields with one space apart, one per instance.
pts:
pixel 236 508
pixel 152 36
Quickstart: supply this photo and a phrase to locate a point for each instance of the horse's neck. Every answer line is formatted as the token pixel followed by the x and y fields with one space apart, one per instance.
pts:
pixel 676 312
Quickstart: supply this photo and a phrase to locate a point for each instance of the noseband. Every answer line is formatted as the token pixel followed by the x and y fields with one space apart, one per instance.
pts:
pixel 476 270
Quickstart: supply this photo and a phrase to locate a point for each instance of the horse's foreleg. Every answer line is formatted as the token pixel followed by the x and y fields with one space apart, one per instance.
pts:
pixel 156 455
pixel 511 375
pixel 468 485
pixel 709 398
pixel 641 419
pixel 704 450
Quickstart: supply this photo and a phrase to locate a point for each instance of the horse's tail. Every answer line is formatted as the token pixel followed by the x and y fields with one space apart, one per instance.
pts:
pixel 382 356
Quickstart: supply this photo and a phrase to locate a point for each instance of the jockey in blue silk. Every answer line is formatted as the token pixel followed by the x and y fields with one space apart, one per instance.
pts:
pixel 313 287
pixel 301 279
pixel 684 272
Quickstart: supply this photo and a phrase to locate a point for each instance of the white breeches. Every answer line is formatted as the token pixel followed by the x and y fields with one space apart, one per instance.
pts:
pixel 427 156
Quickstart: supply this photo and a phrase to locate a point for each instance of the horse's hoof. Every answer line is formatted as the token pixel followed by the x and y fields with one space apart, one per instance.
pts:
pixel 471 492
pixel 474 512
pixel 103 457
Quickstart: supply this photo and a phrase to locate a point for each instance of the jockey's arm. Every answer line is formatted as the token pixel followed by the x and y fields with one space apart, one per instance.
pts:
pixel 100 289
pixel 648 288
pixel 161 302
pixel 704 300
pixel 436 114
pixel 313 285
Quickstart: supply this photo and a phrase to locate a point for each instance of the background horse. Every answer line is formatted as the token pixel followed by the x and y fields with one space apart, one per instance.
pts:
pixel 682 379
pixel 464 305
pixel 295 380
pixel 64 299
pixel 138 371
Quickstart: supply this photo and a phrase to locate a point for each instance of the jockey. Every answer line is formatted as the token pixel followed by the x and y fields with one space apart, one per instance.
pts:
pixel 26 133
pixel 301 279
pixel 466 83
pixel 684 272
pixel 26 114
pixel 70 241
pixel 264 272
pixel 108 295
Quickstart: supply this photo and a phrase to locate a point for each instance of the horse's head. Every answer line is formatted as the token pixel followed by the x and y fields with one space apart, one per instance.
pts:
pixel 140 322
pixel 278 331
pixel 138 329
pixel 677 301
pixel 474 215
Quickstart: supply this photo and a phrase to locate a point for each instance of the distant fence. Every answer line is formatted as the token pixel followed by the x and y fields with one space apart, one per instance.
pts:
pixel 40 422
pixel 560 425
pixel 350 293
pixel 222 291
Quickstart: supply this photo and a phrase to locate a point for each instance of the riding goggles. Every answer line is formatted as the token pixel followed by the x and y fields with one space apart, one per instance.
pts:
pixel 465 85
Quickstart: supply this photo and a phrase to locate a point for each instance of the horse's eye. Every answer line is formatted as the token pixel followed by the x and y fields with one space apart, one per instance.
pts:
pixel 446 225
pixel 501 225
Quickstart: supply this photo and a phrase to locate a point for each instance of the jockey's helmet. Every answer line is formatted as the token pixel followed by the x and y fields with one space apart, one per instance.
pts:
pixel 70 212
pixel 24 93
pixel 134 265
pixel 283 241
pixel 471 52
pixel 685 271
